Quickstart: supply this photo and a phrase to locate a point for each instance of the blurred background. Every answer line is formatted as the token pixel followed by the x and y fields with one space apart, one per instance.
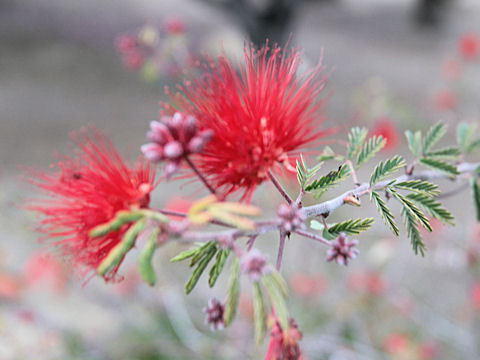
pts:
pixel 392 64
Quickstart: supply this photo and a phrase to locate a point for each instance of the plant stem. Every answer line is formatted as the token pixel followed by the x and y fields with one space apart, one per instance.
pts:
pixel 313 236
pixel 279 187
pixel 251 241
pixel 353 172
pixel 329 206
pixel 200 176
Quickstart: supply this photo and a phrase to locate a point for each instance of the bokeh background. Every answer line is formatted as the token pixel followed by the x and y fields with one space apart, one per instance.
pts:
pixel 392 64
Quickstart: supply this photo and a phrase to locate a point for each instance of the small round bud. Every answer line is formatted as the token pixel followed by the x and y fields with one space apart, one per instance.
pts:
pixel 173 150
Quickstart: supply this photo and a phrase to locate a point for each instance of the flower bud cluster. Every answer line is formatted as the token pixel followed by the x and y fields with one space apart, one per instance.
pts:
pixel 254 263
pixel 215 311
pixel 343 250
pixel 291 217
pixel 173 138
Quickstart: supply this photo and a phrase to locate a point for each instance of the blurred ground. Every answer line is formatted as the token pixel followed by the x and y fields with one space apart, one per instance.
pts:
pixel 59 71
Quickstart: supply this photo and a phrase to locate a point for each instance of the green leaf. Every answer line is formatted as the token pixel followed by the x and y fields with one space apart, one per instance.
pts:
pixel 372 146
pixel 317 225
pixel 120 219
pixel 304 173
pixel 411 208
pixel 116 255
pixel 446 153
pixel 349 227
pixel 327 154
pixel 329 181
pixel 476 195
pixel 434 134
pixel 259 314
pixel 145 267
pixel 356 137
pixel 277 300
pixel 202 264
pixel 387 215
pixel 414 142
pixel 217 268
pixel 413 232
pixel 465 134
pixel 233 292
pixel 439 165
pixel 386 169
pixel 279 282
pixel 473 146
pixel 431 206
pixel 202 251
pixel 185 254
pixel 420 186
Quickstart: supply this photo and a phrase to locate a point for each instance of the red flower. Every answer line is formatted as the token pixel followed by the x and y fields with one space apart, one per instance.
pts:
pixel 396 343
pixel 469 45
pixel 260 114
pixel 284 344
pixel 386 127
pixel 87 190
pixel 175 25
pixel 42 271
pixel 475 296
pixel 445 100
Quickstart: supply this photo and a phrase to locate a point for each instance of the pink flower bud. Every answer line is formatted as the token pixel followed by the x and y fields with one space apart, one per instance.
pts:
pixel 159 133
pixel 152 152
pixel 173 150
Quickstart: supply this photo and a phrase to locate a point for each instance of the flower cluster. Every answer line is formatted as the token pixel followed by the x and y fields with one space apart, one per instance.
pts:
pixel 173 139
pixel 343 250
pixel 291 217
pixel 87 190
pixel 214 312
pixel 254 263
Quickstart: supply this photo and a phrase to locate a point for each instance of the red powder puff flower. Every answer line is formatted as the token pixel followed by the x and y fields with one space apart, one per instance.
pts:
pixel 87 190
pixel 475 296
pixel 175 25
pixel 284 344
pixel 42 271
pixel 396 343
pixel 445 100
pixel 469 45
pixel 386 127
pixel 260 115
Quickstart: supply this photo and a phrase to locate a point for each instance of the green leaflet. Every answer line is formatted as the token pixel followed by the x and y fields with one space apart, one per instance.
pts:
pixel 386 169
pixel 356 138
pixel 371 147
pixel 387 215
pixel 145 267
pixel 439 165
pixel 434 134
pixel 259 314
pixel 233 292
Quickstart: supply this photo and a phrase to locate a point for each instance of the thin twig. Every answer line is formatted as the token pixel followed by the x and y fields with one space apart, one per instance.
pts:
pixel 353 172
pixel 313 236
pixel 251 241
pixel 200 176
pixel 279 187
pixel 299 198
